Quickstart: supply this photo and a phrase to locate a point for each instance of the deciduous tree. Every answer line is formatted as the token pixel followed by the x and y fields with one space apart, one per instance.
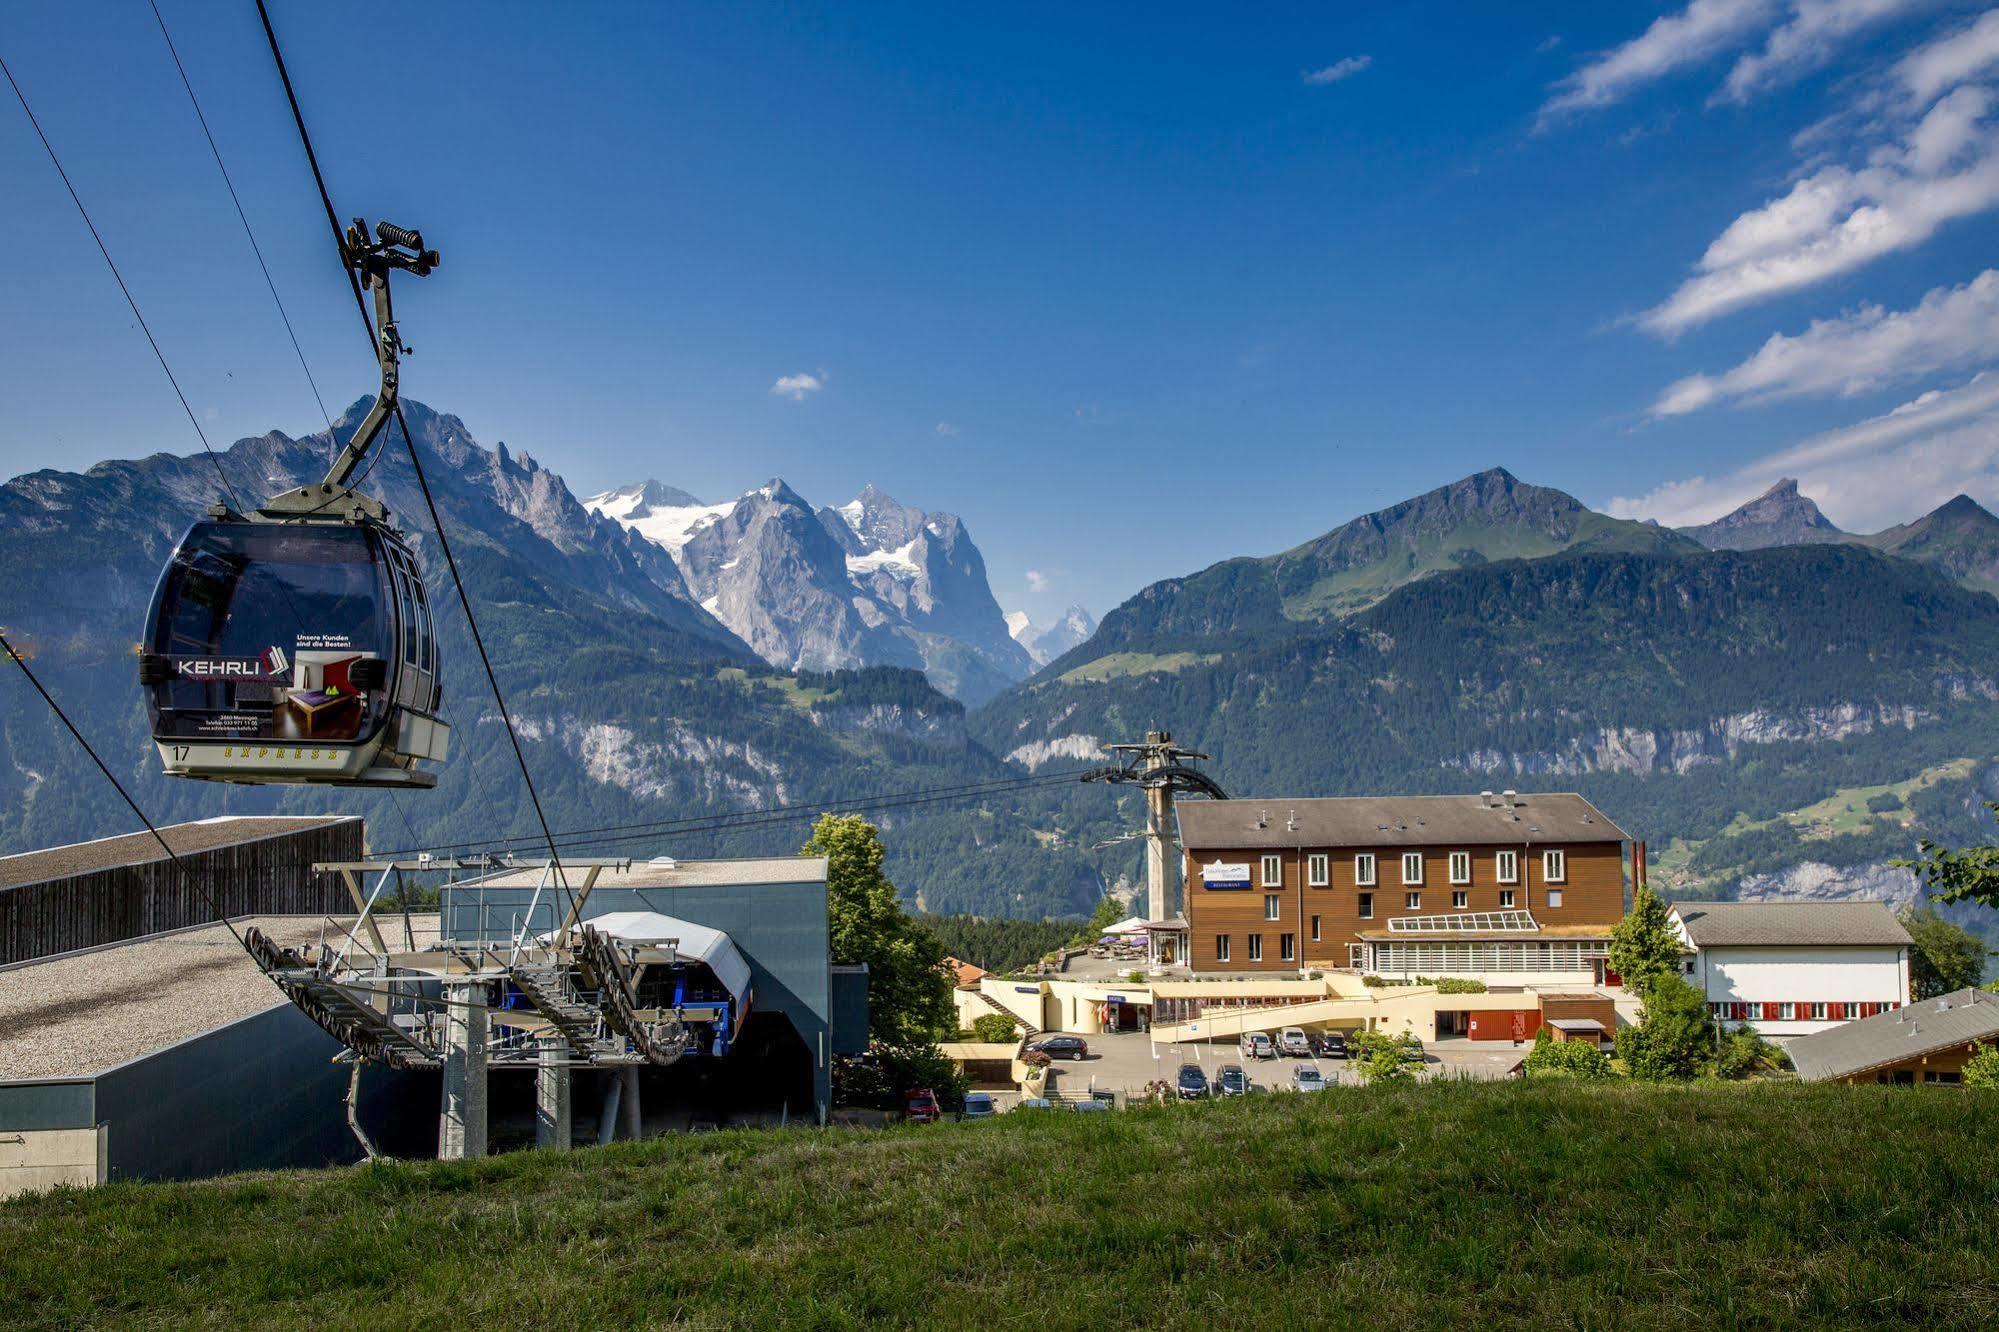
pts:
pixel 1970 875
pixel 1644 943
pixel 1946 957
pixel 909 997
pixel 1675 1040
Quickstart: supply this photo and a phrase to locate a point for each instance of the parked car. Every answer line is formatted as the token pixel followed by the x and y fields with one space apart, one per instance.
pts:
pixel 1291 1041
pixel 1062 1047
pixel 1231 1081
pixel 1332 1045
pixel 1034 1103
pixel 1306 1077
pixel 1256 1045
pixel 1092 1106
pixel 1412 1051
pixel 979 1105
pixel 1192 1083
pixel 922 1108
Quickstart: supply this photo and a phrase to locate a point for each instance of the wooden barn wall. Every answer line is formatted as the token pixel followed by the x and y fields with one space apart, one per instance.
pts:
pixel 270 876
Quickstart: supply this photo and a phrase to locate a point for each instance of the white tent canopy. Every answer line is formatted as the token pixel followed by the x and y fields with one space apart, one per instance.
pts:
pixel 1129 925
pixel 698 943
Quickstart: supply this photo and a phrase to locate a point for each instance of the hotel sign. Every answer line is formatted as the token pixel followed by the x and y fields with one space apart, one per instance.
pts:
pixel 1222 874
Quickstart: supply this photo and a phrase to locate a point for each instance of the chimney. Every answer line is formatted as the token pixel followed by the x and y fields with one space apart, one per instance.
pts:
pixel 1263 818
pixel 1509 797
pixel 1485 799
pixel 1291 824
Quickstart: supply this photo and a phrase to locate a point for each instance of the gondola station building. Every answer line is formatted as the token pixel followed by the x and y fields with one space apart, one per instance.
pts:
pixel 1521 888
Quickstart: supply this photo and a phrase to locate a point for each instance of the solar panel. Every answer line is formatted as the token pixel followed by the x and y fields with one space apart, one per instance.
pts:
pixel 1490 921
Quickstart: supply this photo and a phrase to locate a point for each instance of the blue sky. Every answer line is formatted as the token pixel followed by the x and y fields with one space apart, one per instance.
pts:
pixel 1130 290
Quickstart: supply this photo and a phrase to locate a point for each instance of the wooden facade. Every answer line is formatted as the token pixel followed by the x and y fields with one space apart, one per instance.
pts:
pixel 1323 920
pixel 270 875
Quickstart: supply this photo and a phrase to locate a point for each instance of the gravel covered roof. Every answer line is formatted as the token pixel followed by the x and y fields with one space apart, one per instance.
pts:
pixel 1445 820
pixel 62 862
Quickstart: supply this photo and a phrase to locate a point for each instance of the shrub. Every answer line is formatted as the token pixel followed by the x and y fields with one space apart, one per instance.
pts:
pixel 1740 1053
pixel 1675 1041
pixel 886 1073
pixel 1453 984
pixel 1566 1059
pixel 1883 803
pixel 1037 1059
pixel 1378 1056
pixel 1982 1069
pixel 995 1028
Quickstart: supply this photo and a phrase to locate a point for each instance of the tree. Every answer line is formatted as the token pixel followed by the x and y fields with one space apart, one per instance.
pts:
pixel 1108 913
pixel 1742 1052
pixel 1971 875
pixel 1675 1040
pixel 995 1028
pixel 1379 1057
pixel 1945 957
pixel 1982 1069
pixel 1644 943
pixel 909 997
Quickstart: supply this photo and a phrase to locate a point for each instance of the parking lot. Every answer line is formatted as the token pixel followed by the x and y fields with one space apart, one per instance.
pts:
pixel 1127 1063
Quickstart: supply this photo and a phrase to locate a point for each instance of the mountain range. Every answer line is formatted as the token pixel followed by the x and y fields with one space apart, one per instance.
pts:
pixel 1044 644
pixel 870 583
pixel 1960 537
pixel 667 658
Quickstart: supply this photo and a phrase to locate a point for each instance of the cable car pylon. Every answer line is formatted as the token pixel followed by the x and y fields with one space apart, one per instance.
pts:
pixel 1162 770
pixel 295 644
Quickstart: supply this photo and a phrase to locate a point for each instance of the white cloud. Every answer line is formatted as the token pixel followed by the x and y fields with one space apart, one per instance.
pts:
pixel 1949 60
pixel 1037 581
pixel 799 387
pixel 1839 218
pixel 946 429
pixel 1873 474
pixel 1805 41
pixel 1950 328
pixel 1339 69
pixel 1702 30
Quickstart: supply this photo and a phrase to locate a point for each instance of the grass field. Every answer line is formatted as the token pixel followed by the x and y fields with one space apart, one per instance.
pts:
pixel 1529 1205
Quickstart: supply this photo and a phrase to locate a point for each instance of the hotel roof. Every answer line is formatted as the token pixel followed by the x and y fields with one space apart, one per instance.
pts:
pixel 1394 821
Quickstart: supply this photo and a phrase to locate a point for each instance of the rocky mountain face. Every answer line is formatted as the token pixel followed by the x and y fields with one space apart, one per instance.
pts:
pixel 1780 516
pixel 1072 629
pixel 872 582
pixel 1960 537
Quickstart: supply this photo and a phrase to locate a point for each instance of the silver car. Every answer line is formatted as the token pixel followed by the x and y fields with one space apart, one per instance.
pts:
pixel 1291 1041
pixel 1307 1078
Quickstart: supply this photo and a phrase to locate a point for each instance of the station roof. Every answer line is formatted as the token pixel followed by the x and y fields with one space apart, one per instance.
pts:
pixel 702 943
pixel 1910 1032
pixel 80 1013
pixel 664 873
pixel 1393 821
pixel 1794 924
pixel 63 862
pixel 1544 933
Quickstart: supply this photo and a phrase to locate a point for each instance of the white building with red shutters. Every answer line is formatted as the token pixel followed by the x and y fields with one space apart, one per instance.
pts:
pixel 1792 968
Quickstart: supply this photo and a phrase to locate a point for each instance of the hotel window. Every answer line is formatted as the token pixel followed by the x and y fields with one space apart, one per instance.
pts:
pixel 1554 866
pixel 1505 897
pixel 1287 947
pixel 1412 901
pixel 1363 869
pixel 1507 864
pixel 1460 900
pixel 1787 1012
pixel 1315 929
pixel 1271 903
pixel 1319 870
pixel 1273 871
pixel 1221 948
pixel 1554 897
pixel 1460 867
pixel 1367 906
pixel 1412 867
pixel 1256 948
pixel 1818 1011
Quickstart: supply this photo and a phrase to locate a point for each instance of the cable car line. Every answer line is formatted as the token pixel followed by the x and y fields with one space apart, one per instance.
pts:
pixel 409 441
pixel 243 217
pixel 749 817
pixel 145 328
pixel 191 879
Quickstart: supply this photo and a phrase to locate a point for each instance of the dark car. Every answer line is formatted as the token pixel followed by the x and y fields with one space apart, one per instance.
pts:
pixel 1332 1045
pixel 979 1105
pixel 1231 1081
pixel 1192 1084
pixel 1062 1047
pixel 1412 1051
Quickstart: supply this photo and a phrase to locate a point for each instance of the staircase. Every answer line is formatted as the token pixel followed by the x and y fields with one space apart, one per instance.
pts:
pixel 1026 1027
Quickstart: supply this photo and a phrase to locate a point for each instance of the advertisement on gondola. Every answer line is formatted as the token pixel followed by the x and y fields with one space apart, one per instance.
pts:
pixel 301 694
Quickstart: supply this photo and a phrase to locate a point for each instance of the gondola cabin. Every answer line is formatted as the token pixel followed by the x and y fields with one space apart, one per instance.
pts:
pixel 293 651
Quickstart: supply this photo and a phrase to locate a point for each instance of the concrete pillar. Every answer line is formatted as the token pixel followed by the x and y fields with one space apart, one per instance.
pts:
pixel 461 1126
pixel 607 1114
pixel 1158 853
pixel 551 1093
pixel 629 1110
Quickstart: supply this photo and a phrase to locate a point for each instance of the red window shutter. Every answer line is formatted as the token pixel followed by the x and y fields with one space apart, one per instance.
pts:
pixel 1742 1012
pixel 1869 1010
pixel 1770 1011
pixel 1836 1011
